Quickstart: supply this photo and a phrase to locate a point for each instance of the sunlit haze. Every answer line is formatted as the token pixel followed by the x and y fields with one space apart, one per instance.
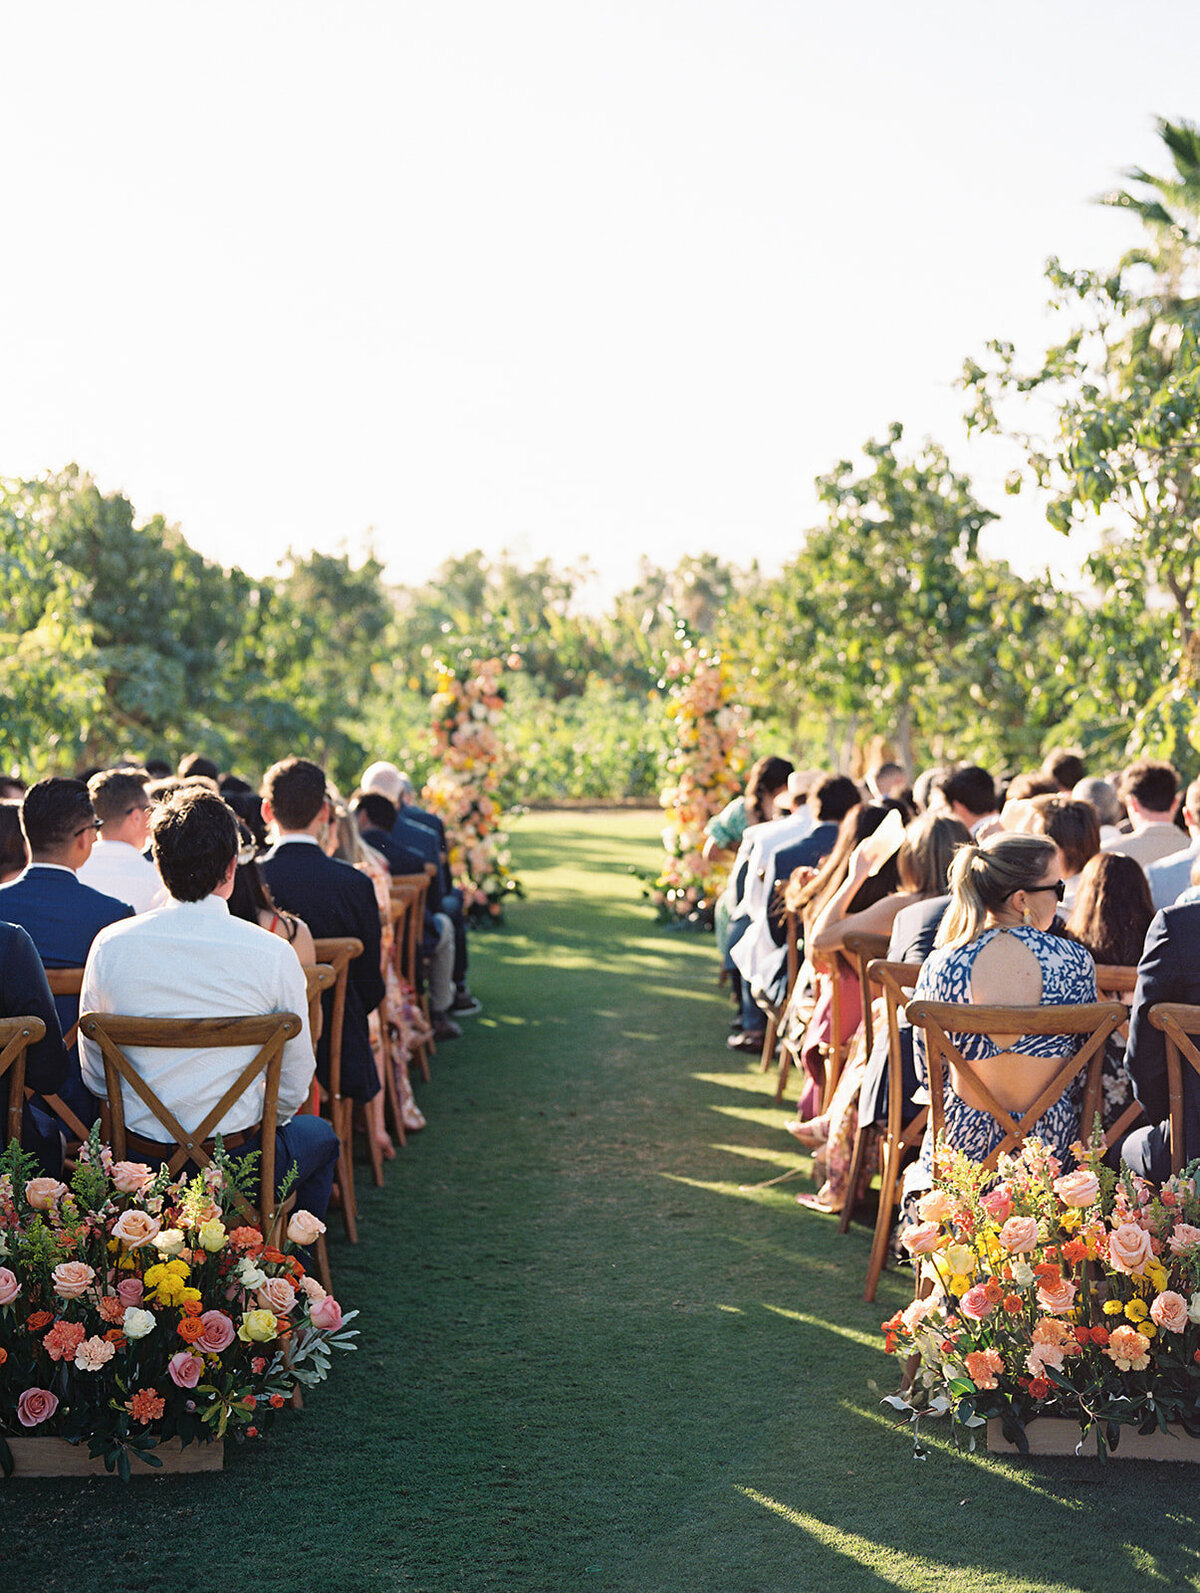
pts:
pixel 576 280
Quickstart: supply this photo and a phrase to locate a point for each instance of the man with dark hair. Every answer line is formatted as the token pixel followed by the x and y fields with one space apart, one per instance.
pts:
pixel 117 866
pixel 195 766
pixel 193 959
pixel 1173 874
pixel 1065 768
pixel 970 794
pixel 334 899
pixel 61 914
pixel 1150 792
pixel 1169 971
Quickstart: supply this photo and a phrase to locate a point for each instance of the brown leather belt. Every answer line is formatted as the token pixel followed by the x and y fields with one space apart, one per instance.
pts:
pixel 163 1152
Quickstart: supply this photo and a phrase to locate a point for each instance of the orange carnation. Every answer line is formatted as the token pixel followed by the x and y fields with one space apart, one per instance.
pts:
pixel 115 1336
pixel 277 1257
pixel 1039 1387
pixel 146 1406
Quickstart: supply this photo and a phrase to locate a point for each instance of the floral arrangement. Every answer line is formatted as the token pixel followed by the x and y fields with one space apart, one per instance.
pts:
pixel 466 709
pixel 134 1309
pixel 704 772
pixel 1074 1295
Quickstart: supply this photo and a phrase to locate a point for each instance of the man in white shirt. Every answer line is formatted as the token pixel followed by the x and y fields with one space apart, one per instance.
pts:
pixel 191 959
pixel 1149 790
pixel 1172 874
pixel 117 865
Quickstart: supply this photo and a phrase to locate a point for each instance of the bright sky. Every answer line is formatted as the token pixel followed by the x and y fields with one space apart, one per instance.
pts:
pixel 579 278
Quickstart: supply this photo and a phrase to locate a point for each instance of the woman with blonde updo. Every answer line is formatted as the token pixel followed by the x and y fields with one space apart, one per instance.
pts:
pixel 997 946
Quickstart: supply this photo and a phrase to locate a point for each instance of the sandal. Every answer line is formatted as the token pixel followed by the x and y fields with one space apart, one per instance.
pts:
pixel 815 1203
pixel 812 1135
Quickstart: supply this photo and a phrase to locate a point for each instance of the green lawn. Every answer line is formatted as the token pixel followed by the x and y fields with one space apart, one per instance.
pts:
pixel 592 1358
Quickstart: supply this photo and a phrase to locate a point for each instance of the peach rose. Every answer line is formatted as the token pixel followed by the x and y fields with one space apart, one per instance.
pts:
pixel 130 1178
pixel 36 1405
pixel 184 1369
pixel 1078 1189
pixel 997 1203
pixel 1057 1298
pixel 1019 1235
pixel 1169 1311
pixel 42 1193
pixel 305 1229
pixel 935 1206
pixel 72 1278
pixel 9 1287
pixel 130 1291
pixel 277 1295
pixel 135 1229
pixel 976 1304
pixel 313 1289
pixel 326 1314
pixel 922 1238
pixel 1129 1248
pixel 1183 1237
pixel 218 1333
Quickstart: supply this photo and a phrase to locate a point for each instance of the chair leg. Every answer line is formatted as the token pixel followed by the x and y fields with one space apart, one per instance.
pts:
pixel 391 1097
pixel 421 1052
pixel 768 1049
pixel 889 1175
pixel 323 1271
pixel 340 1109
pixel 858 1160
pixel 785 1062
pixel 374 1151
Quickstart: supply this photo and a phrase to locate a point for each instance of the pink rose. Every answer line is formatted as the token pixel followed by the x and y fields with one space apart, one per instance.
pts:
pixel 1170 1311
pixel 1183 1237
pixel 997 1203
pixel 922 1238
pixel 36 1405
pixel 1078 1189
pixel 935 1206
pixel 130 1291
pixel 9 1287
pixel 218 1333
pixel 42 1193
pixel 135 1228
pixel 72 1278
pixel 305 1229
pixel 277 1295
pixel 1019 1235
pixel 326 1314
pixel 1057 1298
pixel 976 1305
pixel 184 1369
pixel 1129 1248
pixel 130 1178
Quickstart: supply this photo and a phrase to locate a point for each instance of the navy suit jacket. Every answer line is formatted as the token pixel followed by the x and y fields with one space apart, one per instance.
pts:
pixel 818 843
pixel 62 916
pixel 24 993
pixel 1169 971
pixel 417 836
pixel 335 899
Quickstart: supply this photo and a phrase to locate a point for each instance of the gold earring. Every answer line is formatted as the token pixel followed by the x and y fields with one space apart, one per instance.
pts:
pixel 1027 917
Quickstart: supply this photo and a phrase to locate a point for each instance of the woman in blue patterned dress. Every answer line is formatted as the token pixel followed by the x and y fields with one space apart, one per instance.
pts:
pixel 995 948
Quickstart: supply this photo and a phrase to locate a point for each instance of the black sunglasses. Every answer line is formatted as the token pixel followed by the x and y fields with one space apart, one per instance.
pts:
pixel 1059 888
pixel 95 824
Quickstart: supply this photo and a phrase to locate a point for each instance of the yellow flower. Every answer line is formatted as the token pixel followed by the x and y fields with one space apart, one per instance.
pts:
pixel 154 1275
pixel 1136 1311
pixel 1147 1329
pixel 190 1294
pixel 213 1235
pixel 959 1284
pixel 1113 1307
pixel 1070 1219
pixel 958 1259
pixel 178 1268
pixel 258 1327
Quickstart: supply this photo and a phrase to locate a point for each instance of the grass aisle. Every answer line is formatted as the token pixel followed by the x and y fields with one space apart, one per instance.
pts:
pixel 592 1359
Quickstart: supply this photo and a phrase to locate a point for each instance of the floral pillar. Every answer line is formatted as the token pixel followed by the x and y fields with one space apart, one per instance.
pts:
pixel 704 772
pixel 466 709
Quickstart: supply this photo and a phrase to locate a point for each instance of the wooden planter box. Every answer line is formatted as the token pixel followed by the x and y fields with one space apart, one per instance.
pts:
pixel 55 1457
pixel 1054 1435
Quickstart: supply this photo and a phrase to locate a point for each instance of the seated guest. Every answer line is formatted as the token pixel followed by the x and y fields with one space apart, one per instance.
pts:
pixel 334 900
pixel 194 766
pixel 1103 797
pixel 250 900
pixel 193 959
pixel 117 866
pixel 1170 876
pixel 12 788
pixel 1065 768
pixel 1149 790
pixel 61 914
pixel 723 832
pixel 372 812
pixel 24 993
pixel 14 854
pixel 970 794
pixel 1169 970
pixel 1075 831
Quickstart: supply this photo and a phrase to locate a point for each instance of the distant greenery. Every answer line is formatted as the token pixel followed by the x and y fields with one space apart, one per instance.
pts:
pixel 889 626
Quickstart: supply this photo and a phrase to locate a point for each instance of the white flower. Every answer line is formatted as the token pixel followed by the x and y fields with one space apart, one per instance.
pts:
pixel 250 1276
pixel 169 1241
pixel 137 1323
pixel 1194 1308
pixel 1023 1274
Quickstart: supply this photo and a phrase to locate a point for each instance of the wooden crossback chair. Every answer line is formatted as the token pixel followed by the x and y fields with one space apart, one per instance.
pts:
pixel 318 979
pixel 412 890
pixel 840 966
pixel 339 951
pixel 865 949
pixel 16 1036
pixel 1093 1022
pixel 113 1033
pixel 775 1013
pixel 66 982
pixel 1179 1023
pixel 1114 979
pixel 896 980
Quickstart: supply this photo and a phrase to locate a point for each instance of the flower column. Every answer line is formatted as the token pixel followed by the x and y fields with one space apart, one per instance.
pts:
pixel 704 773
pixel 466 710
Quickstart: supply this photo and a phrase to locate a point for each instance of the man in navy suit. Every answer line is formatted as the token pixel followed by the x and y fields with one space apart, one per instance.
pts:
pixel 24 993
pixel 334 900
pixel 61 915
pixel 1169 971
